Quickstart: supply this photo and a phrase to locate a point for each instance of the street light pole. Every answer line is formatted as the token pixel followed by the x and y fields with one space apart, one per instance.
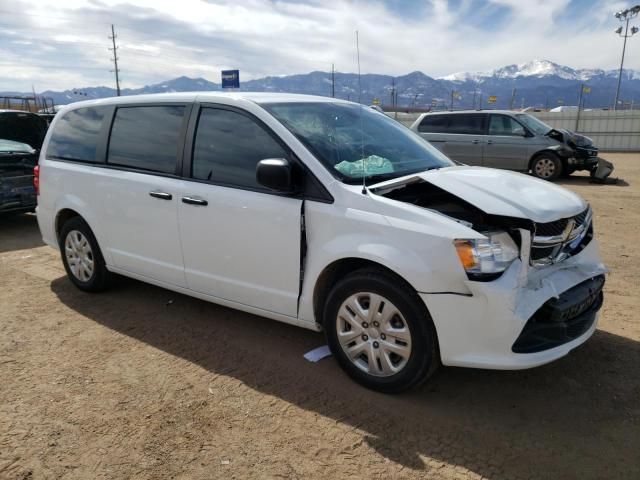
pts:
pixel 624 16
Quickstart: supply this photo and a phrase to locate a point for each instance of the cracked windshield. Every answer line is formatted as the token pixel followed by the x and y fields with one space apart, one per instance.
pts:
pixel 353 141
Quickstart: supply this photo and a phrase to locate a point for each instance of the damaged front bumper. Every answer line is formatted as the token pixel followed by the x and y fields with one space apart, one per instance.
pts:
pixel 481 329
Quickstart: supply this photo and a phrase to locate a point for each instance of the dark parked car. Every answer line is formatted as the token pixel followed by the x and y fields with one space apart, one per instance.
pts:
pixel 21 136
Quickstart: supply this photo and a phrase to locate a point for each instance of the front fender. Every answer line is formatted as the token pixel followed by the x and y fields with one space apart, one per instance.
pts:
pixel 427 261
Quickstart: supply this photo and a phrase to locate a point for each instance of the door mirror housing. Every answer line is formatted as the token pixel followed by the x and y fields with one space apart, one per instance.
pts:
pixel 275 174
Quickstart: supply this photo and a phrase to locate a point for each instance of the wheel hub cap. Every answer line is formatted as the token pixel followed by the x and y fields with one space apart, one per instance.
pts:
pixel 79 255
pixel 545 168
pixel 373 334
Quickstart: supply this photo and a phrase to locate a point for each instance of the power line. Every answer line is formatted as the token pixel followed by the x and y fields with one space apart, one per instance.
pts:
pixel 49 66
pixel 49 16
pixel 115 59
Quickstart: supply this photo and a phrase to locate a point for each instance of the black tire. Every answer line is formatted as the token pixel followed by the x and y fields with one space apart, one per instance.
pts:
pixel 424 358
pixel 100 278
pixel 547 166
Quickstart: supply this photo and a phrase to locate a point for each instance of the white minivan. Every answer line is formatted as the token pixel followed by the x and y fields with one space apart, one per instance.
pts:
pixel 327 215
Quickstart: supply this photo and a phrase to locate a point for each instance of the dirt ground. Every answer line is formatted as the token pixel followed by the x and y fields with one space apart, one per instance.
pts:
pixel 140 382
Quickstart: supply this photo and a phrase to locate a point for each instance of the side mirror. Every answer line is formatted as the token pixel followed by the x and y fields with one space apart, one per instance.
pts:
pixel 275 174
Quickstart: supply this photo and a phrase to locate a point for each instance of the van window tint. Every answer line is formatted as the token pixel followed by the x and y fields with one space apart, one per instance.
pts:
pixel 433 124
pixel 75 135
pixel 504 125
pixel 471 124
pixel 146 137
pixel 228 146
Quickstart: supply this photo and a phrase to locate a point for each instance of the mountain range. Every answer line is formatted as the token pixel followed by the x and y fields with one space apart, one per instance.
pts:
pixel 538 83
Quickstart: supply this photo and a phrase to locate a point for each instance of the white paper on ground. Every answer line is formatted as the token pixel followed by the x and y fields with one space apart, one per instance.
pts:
pixel 318 353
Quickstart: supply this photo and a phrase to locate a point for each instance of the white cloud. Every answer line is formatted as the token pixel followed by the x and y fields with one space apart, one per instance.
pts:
pixel 56 44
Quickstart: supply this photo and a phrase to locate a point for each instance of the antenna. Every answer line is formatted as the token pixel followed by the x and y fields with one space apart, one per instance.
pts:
pixel 364 163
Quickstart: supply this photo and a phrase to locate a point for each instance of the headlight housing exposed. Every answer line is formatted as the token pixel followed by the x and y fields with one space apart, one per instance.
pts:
pixel 487 258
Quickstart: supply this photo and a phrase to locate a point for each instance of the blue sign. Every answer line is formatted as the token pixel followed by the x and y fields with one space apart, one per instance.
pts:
pixel 230 78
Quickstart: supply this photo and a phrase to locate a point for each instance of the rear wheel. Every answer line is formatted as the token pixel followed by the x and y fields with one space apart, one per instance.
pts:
pixel 380 331
pixel 547 166
pixel 82 257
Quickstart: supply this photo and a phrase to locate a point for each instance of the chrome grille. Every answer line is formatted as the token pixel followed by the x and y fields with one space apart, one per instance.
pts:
pixel 557 240
pixel 551 228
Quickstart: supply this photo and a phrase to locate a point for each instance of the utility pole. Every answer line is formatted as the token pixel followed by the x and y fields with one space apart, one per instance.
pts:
pixel 451 104
pixel 415 98
pixel 624 16
pixel 513 98
pixel 115 59
pixel 393 93
pixel 579 105
pixel 333 81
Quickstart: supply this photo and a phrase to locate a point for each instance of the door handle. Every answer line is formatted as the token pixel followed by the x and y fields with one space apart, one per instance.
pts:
pixel 475 142
pixel 161 195
pixel 489 142
pixel 195 201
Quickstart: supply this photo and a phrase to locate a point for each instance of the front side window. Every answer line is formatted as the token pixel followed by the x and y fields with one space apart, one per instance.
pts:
pixel 353 141
pixel 146 138
pixel 534 124
pixel 75 134
pixel 504 125
pixel 228 147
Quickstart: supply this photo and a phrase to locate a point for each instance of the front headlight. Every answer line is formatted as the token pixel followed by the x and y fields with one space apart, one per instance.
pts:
pixel 487 257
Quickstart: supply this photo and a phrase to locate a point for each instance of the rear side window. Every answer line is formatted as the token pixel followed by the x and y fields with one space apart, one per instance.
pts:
pixel 470 124
pixel 75 135
pixel 228 146
pixel 433 124
pixel 146 138
pixel 504 125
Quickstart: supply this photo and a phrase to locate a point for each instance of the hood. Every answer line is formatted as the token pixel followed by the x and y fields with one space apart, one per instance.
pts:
pixel 23 127
pixel 499 192
pixel 572 139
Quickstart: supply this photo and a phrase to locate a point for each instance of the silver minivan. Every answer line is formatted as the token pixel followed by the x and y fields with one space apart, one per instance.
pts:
pixel 508 140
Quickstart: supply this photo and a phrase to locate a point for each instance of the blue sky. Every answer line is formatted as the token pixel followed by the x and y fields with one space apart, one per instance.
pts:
pixel 54 44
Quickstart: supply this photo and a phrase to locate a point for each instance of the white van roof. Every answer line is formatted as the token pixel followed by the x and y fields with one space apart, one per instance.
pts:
pixel 256 97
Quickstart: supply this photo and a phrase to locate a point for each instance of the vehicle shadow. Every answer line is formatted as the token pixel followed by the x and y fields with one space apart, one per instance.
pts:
pixel 576 179
pixel 576 418
pixel 19 232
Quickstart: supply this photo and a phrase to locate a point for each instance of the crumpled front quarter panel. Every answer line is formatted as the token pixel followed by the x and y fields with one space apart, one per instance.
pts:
pixel 420 252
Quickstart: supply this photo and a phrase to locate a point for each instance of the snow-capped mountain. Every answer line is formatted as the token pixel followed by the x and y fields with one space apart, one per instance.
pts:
pixel 539 83
pixel 539 69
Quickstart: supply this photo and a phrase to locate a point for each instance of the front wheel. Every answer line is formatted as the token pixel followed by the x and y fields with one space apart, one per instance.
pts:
pixel 547 166
pixel 380 331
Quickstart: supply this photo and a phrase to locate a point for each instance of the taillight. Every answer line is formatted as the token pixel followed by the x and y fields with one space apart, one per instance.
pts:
pixel 36 179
